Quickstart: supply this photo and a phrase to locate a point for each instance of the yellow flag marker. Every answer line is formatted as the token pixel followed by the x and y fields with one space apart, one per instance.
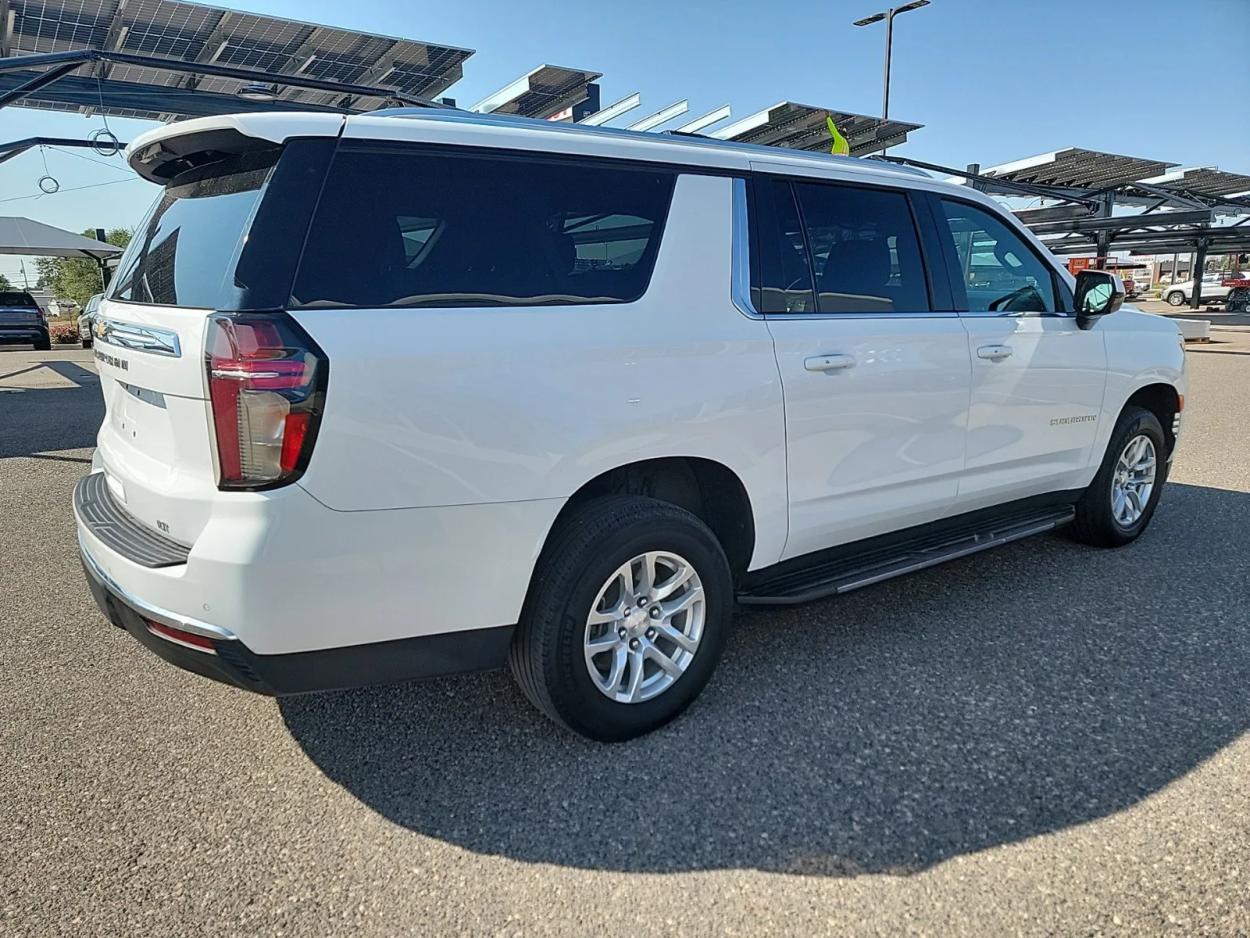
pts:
pixel 840 146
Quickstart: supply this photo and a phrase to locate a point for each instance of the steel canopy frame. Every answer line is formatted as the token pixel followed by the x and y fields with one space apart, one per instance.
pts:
pixel 193 32
pixel 61 64
pixel 17 147
pixel 1088 184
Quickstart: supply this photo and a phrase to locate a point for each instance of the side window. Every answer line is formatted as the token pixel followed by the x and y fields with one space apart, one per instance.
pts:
pixel 783 281
pixel 865 250
pixel 999 271
pixel 414 229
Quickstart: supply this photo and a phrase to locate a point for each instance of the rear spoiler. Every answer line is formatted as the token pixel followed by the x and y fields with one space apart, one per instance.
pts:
pixel 162 154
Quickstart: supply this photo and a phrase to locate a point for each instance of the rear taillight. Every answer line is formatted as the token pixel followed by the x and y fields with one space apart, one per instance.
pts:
pixel 266 387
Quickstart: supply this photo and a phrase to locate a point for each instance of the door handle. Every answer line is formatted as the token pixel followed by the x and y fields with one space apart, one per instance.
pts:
pixel 829 362
pixel 994 353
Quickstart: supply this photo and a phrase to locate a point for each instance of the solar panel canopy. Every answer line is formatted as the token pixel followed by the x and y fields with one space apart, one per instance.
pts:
pixel 192 32
pixel 1204 180
pixel 803 127
pixel 1076 168
pixel 544 92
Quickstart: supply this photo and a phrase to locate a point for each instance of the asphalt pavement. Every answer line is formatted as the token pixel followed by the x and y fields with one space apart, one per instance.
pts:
pixel 1041 739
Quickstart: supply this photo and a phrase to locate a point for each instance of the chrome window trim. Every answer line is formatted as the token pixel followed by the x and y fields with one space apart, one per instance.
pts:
pixel 880 317
pixel 130 335
pixel 1005 314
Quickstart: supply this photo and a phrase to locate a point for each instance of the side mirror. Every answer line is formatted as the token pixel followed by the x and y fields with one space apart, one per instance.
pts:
pixel 1097 294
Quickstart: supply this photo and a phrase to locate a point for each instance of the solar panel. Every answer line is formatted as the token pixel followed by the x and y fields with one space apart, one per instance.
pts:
pixel 1076 168
pixel 192 32
pixel 1204 180
pixel 543 92
pixel 804 127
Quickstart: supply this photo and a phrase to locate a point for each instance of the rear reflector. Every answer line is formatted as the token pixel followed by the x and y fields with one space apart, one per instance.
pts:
pixel 266 383
pixel 178 636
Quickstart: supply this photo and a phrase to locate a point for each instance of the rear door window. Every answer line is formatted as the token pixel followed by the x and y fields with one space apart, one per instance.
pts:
pixel 864 249
pixel 783 278
pixel 399 227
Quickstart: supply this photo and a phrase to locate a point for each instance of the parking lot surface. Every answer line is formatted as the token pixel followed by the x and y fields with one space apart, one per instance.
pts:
pixel 1040 739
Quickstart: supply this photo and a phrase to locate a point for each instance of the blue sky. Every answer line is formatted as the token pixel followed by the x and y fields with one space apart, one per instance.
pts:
pixel 991 80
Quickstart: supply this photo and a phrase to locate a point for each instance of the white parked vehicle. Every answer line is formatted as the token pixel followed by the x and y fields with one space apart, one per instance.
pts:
pixel 1178 294
pixel 411 393
pixel 86 322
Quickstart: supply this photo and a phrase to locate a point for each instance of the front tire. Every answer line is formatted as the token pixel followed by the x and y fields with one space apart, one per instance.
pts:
pixel 1176 298
pixel 86 343
pixel 1119 503
pixel 626 617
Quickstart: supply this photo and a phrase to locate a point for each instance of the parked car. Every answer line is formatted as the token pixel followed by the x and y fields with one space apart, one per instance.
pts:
pixel 21 320
pixel 87 320
pixel 405 394
pixel 1178 294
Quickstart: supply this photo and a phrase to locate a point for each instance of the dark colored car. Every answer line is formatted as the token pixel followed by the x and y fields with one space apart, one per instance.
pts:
pixel 21 320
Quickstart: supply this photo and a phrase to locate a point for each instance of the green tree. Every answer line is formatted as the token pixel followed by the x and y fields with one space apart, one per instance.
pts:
pixel 4 283
pixel 77 278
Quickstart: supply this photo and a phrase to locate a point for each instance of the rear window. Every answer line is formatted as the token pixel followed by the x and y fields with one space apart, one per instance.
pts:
pixel 185 248
pixel 405 228
pixel 18 298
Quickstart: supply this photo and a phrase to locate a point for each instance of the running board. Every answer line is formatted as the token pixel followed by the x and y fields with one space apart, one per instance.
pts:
pixel 851 570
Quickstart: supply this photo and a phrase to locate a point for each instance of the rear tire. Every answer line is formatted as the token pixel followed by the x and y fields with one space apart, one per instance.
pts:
pixel 1097 521
pixel 44 344
pixel 579 579
pixel 1176 298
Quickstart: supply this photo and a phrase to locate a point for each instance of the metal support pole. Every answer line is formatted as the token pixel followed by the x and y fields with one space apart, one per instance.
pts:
pixel 889 44
pixel 1200 261
pixel 1102 239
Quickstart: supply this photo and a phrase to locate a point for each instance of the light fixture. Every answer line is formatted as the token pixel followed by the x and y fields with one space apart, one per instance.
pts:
pixel 888 16
pixel 258 91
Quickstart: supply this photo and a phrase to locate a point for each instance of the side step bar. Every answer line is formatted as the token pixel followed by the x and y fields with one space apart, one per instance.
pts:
pixel 853 568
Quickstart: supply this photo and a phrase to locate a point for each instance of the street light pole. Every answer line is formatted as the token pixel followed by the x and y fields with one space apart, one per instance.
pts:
pixel 888 16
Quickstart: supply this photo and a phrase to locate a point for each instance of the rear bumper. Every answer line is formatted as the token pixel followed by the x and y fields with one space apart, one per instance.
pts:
pixel 22 333
pixel 230 661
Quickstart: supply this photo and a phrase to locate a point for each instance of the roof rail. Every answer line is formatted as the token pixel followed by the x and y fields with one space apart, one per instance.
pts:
pixel 762 151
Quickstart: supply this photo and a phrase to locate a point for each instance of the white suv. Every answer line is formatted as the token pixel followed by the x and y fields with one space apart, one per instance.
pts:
pixel 413 393
pixel 1213 288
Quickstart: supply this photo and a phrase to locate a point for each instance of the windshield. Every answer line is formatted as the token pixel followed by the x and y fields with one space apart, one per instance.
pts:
pixel 18 298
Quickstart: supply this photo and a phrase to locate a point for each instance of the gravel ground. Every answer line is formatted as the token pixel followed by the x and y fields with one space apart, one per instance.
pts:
pixel 1042 739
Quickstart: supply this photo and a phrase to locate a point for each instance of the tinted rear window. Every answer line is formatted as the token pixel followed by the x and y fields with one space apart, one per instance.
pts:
pixel 185 248
pixel 410 228
pixel 24 300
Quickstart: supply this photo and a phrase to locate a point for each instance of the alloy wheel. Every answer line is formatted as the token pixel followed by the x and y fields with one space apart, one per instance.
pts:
pixel 1133 480
pixel 644 627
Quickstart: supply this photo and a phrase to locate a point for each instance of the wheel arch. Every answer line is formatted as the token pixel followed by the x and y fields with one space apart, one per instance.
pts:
pixel 708 489
pixel 1164 401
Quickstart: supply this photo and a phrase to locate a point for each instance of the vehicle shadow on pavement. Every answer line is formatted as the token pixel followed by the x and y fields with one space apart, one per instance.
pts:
pixel 36 420
pixel 1011 694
